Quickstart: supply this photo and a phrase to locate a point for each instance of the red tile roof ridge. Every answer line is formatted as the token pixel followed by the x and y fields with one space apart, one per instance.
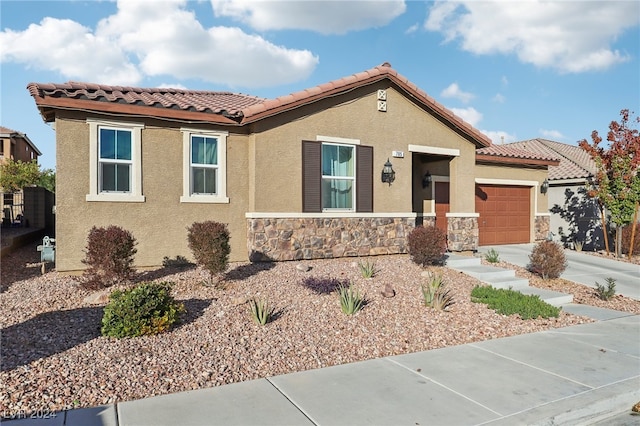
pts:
pixel 574 162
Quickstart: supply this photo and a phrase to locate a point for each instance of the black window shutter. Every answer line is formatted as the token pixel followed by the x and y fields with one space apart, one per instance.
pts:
pixel 364 179
pixel 311 177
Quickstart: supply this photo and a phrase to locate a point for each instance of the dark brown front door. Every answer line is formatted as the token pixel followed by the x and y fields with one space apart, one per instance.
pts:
pixel 442 205
pixel 504 214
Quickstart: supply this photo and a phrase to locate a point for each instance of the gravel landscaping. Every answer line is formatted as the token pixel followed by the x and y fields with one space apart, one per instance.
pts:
pixel 53 356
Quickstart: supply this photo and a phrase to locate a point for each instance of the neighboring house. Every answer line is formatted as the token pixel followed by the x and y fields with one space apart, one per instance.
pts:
pixel 297 177
pixel 18 147
pixel 574 216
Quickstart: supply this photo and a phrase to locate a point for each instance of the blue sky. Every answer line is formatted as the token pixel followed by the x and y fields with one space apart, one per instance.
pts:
pixel 514 70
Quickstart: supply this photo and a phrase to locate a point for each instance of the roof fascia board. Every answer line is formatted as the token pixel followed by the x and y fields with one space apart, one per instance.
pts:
pixel 136 110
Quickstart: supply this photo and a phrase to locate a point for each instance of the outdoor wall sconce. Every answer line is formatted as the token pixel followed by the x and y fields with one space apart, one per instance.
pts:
pixel 426 180
pixel 388 175
pixel 544 187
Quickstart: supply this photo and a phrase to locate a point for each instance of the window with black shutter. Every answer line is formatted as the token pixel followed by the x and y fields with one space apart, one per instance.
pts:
pixel 336 177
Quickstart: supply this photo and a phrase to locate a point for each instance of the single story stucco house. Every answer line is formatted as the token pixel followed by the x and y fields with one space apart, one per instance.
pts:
pixel 297 177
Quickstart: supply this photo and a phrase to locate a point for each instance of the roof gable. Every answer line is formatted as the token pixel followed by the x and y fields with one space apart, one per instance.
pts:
pixel 6 132
pixel 225 107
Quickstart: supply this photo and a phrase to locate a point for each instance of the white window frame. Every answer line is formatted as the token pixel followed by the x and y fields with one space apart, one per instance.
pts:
pixel 135 191
pixel 352 178
pixel 221 195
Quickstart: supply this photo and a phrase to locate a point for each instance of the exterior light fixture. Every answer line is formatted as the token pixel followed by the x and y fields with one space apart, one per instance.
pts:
pixel 426 180
pixel 388 175
pixel 544 187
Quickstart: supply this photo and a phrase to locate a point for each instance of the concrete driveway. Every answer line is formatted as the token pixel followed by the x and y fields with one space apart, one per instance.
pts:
pixel 583 268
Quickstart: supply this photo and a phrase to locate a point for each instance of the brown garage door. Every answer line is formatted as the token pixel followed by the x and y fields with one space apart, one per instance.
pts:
pixel 504 214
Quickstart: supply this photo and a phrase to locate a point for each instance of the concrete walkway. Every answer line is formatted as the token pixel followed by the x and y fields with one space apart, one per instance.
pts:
pixel 583 268
pixel 584 374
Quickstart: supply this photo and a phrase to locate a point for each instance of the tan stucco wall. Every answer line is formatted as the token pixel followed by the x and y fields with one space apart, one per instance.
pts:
pixel 278 151
pixel 160 223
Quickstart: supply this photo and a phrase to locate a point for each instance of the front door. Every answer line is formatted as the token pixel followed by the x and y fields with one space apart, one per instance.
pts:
pixel 442 205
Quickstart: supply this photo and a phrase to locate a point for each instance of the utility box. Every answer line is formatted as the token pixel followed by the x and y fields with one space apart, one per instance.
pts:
pixel 47 250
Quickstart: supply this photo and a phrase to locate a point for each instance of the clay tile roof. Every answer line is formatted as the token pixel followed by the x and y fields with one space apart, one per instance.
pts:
pixel 225 103
pixel 575 163
pixel 512 152
pixel 235 108
pixel 6 130
pixel 10 133
pixel 283 103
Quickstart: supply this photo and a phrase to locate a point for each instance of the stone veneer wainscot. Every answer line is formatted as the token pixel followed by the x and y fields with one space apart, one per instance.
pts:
pixel 543 226
pixel 326 237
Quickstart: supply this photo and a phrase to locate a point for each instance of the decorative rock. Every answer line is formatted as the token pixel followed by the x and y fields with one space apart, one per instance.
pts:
pixel 303 267
pixel 98 298
pixel 240 300
pixel 388 291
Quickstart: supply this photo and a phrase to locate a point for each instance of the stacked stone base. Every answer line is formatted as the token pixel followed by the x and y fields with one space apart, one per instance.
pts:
pixel 543 226
pixel 277 239
pixel 463 233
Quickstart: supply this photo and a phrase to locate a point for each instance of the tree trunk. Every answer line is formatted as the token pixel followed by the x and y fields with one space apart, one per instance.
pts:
pixel 618 241
pixel 634 225
pixel 604 230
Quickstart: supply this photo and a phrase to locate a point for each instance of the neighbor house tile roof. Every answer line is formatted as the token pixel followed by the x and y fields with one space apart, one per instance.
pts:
pixel 511 154
pixel 225 107
pixel 575 163
pixel 6 132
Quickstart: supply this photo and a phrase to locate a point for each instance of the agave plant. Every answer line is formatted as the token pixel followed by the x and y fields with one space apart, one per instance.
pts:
pixel 434 293
pixel 367 269
pixel 261 311
pixel 350 299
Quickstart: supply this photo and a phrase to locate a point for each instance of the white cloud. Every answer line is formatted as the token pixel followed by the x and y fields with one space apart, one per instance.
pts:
pixel 412 29
pixel 470 115
pixel 324 17
pixel 505 81
pixel 569 36
pixel 454 91
pixel 551 134
pixel 499 98
pixel 499 137
pixel 155 39
pixel 69 48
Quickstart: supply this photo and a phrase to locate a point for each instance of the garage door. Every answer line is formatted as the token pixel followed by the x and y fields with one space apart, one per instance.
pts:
pixel 504 214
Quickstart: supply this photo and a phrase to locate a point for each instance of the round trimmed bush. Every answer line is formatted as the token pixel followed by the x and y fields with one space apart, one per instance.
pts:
pixel 427 245
pixel 146 309
pixel 547 259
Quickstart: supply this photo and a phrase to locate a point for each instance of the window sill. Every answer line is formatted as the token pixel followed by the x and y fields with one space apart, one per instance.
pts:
pixel 116 198
pixel 204 199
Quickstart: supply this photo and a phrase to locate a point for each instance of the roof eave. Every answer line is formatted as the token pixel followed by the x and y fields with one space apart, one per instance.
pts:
pixel 47 104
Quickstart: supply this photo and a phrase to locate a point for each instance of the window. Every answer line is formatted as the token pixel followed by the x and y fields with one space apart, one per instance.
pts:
pixel 204 163
pixel 115 167
pixel 114 160
pixel 336 177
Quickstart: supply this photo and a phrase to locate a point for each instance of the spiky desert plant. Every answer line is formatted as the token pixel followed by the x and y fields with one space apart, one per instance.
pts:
pixel 350 299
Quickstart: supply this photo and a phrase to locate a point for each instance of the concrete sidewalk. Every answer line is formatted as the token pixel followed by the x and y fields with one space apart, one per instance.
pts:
pixel 576 375
pixel 582 268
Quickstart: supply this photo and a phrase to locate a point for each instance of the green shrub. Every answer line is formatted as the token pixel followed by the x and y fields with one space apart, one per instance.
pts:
pixel 209 242
pixel 427 245
pixel 146 309
pixel 434 293
pixel 367 269
pixel 350 299
pixel 492 256
pixel 261 311
pixel 109 255
pixel 547 259
pixel 606 293
pixel 508 302
pixel 626 239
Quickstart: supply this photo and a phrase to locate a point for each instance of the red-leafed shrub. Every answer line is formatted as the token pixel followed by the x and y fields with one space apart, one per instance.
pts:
pixel 209 243
pixel 547 259
pixel 109 255
pixel 626 240
pixel 427 245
